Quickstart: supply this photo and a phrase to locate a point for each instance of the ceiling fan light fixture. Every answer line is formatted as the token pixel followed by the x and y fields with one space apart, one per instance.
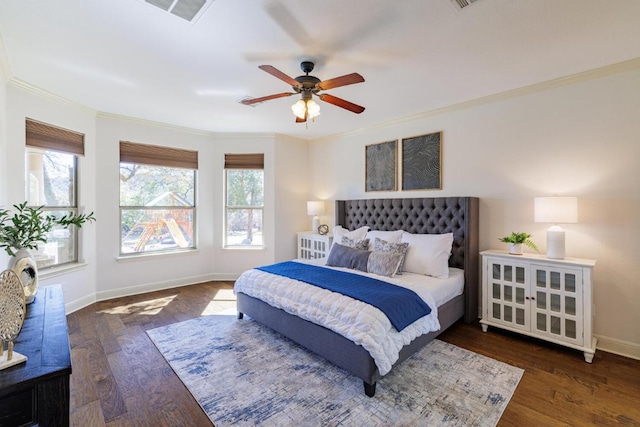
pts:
pixel 311 108
pixel 298 109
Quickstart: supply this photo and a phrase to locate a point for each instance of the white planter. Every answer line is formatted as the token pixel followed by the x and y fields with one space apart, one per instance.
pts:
pixel 24 265
pixel 515 248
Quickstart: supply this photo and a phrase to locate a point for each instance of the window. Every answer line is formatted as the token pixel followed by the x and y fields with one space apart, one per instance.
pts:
pixel 244 199
pixel 157 198
pixel 52 181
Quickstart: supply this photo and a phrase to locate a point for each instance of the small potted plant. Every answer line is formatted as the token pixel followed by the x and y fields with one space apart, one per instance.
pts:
pixel 22 230
pixel 516 240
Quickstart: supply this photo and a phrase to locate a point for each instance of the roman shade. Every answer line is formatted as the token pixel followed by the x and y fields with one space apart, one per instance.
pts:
pixel 48 137
pixel 132 152
pixel 244 161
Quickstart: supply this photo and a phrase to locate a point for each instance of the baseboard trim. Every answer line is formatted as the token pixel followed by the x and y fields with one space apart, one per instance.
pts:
pixel 80 303
pixel 619 347
pixel 144 288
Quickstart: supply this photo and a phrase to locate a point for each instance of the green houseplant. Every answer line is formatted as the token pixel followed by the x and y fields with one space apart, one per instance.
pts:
pixel 28 226
pixel 22 230
pixel 516 240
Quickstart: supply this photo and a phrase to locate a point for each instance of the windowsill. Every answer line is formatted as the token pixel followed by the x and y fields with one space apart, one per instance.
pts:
pixel 158 255
pixel 244 248
pixel 60 270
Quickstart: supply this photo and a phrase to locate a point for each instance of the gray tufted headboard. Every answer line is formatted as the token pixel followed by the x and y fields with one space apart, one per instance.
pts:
pixel 433 215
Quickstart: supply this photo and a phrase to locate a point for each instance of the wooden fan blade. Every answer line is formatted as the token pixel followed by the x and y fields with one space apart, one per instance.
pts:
pixel 266 98
pixel 348 79
pixel 279 74
pixel 341 103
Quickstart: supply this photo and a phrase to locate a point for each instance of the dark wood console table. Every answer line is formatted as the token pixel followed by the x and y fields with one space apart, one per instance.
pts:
pixel 37 392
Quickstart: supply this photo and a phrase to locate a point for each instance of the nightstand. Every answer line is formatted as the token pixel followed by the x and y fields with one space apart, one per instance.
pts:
pixel 550 299
pixel 313 245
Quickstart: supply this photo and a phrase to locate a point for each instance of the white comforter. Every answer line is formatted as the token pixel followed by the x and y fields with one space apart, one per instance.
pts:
pixel 362 323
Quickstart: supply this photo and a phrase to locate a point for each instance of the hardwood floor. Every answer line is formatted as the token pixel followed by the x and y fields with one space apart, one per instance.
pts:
pixel 120 379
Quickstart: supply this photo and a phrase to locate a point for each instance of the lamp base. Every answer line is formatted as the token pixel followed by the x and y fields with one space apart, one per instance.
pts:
pixel 315 223
pixel 555 242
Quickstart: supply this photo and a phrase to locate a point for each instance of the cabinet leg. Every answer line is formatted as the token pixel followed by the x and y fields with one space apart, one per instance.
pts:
pixel 485 328
pixel 588 357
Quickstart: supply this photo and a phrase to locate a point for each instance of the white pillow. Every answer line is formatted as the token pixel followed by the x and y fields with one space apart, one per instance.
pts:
pixel 389 236
pixel 428 254
pixel 339 232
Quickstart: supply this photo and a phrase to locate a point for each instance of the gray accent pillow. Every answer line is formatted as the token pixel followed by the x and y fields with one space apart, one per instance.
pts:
pixel 380 245
pixel 384 263
pixel 344 256
pixel 355 243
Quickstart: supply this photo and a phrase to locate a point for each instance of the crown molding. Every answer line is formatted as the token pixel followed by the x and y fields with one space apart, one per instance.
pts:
pixel 620 67
pixel 169 126
pixel 596 73
pixel 28 87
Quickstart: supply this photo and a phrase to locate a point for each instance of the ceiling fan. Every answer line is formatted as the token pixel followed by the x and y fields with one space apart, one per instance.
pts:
pixel 308 86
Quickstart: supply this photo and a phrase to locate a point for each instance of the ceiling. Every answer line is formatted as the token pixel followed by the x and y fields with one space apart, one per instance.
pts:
pixel 131 58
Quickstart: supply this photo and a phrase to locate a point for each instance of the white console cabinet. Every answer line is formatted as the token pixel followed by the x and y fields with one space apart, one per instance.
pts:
pixel 313 245
pixel 550 299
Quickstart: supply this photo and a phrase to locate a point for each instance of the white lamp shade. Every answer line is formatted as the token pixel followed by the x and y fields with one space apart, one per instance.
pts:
pixel 315 207
pixel 299 109
pixel 556 210
pixel 302 107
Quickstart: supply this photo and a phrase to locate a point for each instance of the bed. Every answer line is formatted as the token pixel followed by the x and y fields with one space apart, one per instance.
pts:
pixel 457 215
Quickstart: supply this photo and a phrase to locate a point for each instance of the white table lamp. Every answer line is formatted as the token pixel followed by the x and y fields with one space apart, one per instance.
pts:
pixel 556 210
pixel 315 208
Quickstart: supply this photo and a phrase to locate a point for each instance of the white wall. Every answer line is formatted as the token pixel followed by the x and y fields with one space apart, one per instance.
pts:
pixel 291 186
pixel 105 275
pixel 211 261
pixel 3 139
pixel 79 285
pixel 581 139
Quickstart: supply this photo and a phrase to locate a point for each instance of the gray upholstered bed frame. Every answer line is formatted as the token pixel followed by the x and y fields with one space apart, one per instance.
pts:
pixel 457 215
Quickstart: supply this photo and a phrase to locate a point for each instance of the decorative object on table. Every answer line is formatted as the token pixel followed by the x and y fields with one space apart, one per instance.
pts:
pixel 422 162
pixel 22 230
pixel 228 368
pixel 315 208
pixel 517 240
pixel 381 165
pixel 556 210
pixel 24 265
pixel 12 313
pixel 323 229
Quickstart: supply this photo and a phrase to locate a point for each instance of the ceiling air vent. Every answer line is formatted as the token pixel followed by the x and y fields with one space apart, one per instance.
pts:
pixel 462 4
pixel 188 10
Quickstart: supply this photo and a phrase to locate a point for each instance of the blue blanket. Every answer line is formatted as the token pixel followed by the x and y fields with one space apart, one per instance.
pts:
pixel 401 305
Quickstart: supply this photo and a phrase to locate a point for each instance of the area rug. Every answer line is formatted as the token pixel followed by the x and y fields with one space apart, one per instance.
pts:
pixel 243 373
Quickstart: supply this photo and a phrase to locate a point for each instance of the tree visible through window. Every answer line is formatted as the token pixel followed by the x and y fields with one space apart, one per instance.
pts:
pixel 157 203
pixel 244 199
pixel 52 181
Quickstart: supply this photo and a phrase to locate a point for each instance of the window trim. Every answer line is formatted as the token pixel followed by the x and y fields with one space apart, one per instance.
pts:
pixel 159 156
pixel 41 137
pixel 234 162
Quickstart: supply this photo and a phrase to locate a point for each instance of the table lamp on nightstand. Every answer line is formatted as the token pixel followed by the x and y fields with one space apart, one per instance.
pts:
pixel 315 208
pixel 556 210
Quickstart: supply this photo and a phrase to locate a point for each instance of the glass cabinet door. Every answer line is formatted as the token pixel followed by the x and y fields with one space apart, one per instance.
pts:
pixel 557 303
pixel 507 294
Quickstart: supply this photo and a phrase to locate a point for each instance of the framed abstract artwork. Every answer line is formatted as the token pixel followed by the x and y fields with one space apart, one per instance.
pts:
pixel 422 162
pixel 381 162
